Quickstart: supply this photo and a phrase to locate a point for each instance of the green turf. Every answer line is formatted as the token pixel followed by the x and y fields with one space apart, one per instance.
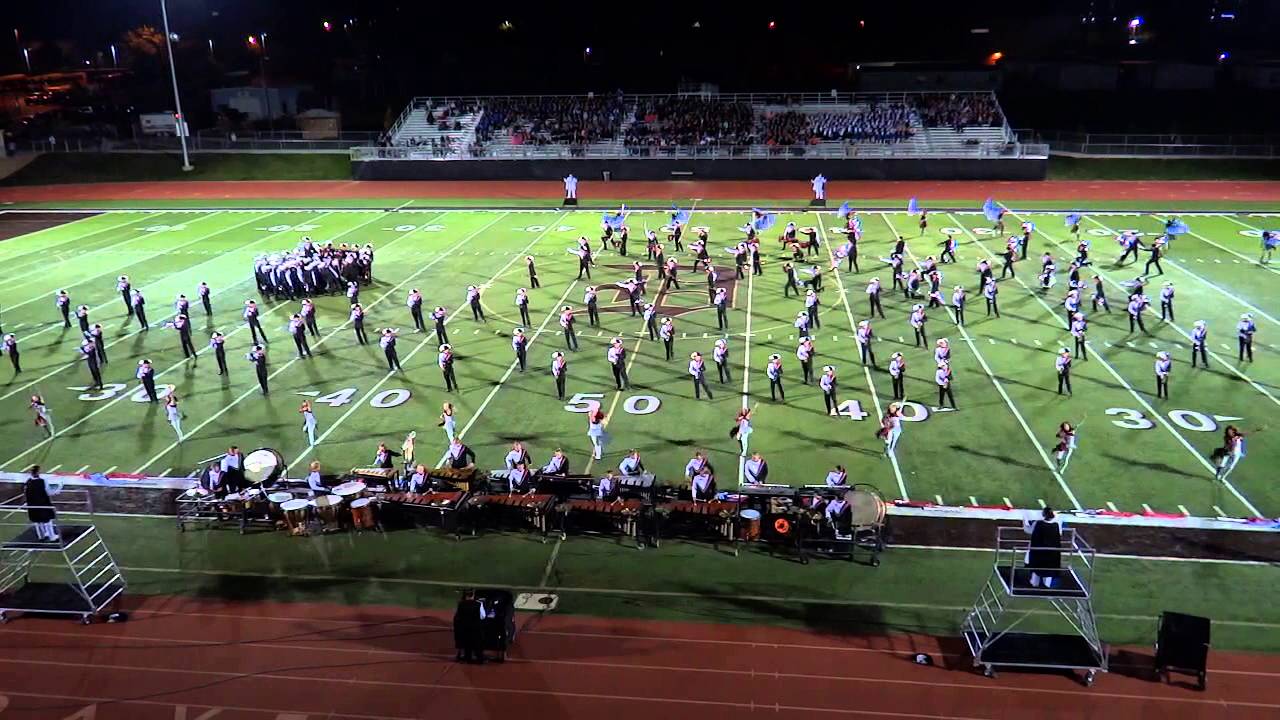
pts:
pixel 1102 168
pixel 60 168
pixel 982 453
pixel 679 581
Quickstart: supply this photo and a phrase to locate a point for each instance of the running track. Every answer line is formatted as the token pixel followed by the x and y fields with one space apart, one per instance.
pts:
pixel 190 659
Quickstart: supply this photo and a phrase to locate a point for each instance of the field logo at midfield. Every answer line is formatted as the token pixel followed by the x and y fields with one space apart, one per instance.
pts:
pixel 693 284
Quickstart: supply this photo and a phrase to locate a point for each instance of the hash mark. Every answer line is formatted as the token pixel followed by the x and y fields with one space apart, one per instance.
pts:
pixel 1111 506
pixel 1007 503
pixel 1147 508
pixel 973 501
pixel 81 470
pixel 1183 510
pixel 1219 511
pixel 1043 504
pixel 939 499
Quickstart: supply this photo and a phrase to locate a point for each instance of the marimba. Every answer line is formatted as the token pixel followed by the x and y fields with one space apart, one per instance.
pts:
pixel 445 504
pixel 621 515
pixel 532 508
pixel 716 517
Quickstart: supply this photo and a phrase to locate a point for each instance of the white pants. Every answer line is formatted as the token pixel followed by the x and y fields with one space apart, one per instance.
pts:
pixel 310 430
pixel 820 194
pixel 743 439
pixel 891 442
pixel 597 446
pixel 177 426
pixel 46 530
pixel 1228 466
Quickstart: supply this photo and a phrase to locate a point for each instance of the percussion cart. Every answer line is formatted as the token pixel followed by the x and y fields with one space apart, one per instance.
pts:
pixel 863 535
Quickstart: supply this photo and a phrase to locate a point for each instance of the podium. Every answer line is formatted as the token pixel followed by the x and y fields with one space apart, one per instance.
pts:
pixel 1017 624
pixel 74 575
pixel 570 202
pixel 816 203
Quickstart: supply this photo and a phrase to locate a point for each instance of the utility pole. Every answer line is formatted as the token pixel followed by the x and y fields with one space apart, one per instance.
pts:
pixel 180 126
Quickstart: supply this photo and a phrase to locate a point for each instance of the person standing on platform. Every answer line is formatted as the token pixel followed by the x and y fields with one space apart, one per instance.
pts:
pixel 445 361
pixel 147 374
pixel 308 422
pixel 570 187
pixel 62 301
pixel 518 345
pixel 720 355
pixel 698 371
pixel 258 356
pixel 139 309
pixel 522 304
pixel 559 371
pixel 44 417
pixel 1044 558
pixel 10 347
pixel 40 510
pixel 125 290
pixel 820 188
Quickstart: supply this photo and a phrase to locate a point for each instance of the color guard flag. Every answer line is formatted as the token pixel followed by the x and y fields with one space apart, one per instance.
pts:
pixel 1176 227
pixel 680 216
pixel 844 210
pixel 991 210
pixel 857 223
pixel 763 220
pixel 616 221
pixel 1073 219
pixel 913 207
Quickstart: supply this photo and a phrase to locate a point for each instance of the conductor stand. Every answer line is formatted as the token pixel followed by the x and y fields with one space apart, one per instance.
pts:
pixel 73 575
pixel 818 203
pixel 1011 626
pixel 570 202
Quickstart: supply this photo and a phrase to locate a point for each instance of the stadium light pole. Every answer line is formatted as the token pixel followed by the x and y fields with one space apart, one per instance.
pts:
pixel 179 120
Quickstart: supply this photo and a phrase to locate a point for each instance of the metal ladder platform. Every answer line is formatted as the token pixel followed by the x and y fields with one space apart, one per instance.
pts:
pixel 74 575
pixel 1017 624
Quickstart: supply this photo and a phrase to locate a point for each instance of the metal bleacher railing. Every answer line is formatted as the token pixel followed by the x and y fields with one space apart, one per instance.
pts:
pixel 1154 146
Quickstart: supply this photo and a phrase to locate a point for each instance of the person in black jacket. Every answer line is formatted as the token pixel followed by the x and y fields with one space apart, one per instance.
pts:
pixel 39 507
pixel 468 632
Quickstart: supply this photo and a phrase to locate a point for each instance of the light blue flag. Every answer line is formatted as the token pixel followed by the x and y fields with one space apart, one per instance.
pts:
pixel 763 220
pixel 857 223
pixel 680 216
pixel 1073 219
pixel 844 210
pixel 1176 227
pixel 913 207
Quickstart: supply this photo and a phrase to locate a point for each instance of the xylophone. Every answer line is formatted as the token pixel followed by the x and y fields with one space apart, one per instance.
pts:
pixel 716 515
pixel 461 478
pixel 444 503
pixel 384 477
pixel 535 507
pixel 622 514
pixel 711 507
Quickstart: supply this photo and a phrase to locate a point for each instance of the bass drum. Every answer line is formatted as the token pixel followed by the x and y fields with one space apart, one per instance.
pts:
pixel 263 467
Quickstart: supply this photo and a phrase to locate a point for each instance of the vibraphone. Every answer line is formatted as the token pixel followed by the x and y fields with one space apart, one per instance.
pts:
pixel 532 509
pixel 444 504
pixel 716 517
pixel 460 478
pixel 376 477
pixel 621 515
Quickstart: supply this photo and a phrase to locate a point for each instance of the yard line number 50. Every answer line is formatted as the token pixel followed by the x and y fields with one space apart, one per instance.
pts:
pixel 634 404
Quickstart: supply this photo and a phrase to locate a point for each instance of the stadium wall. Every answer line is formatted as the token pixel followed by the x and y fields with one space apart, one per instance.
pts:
pixel 684 169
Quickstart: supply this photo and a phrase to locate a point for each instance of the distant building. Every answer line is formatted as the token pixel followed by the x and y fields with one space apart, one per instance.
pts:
pixel 319 124
pixel 258 103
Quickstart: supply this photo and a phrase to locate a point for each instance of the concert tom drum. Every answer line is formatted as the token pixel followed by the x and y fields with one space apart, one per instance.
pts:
pixel 362 514
pixel 295 516
pixel 349 490
pixel 750 528
pixel 277 499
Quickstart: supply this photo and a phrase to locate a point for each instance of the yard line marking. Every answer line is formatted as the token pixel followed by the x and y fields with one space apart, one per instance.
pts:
pixel 1007 503
pixel 518 255
pixel 1147 508
pixel 990 340
pixel 1219 511
pixel 853 326
pixel 973 501
pixel 133 334
pixel 1151 412
pixel 551 562
pixel 512 368
pixel 1225 346
pixel 1013 340
pixel 1042 502
pixel 1038 343
pixel 53 469
pixel 81 470
pixel 939 499
pixel 1112 506
pixel 183 362
pixel 165 472
pixel 1154 346
pixel 746 370
pixel 109 470
pixel 1049 463
pixel 1246 258
pixel 1183 509
pixel 147 215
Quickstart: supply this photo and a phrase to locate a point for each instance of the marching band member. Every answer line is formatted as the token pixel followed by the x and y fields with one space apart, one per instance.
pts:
pixel 667 332
pixel 82 317
pixel 309 317
pixel 99 342
pixel 697 370
pixel 518 477
pixel 703 485
pixel 522 304
pixel 388 343
pixel 811 307
pixel 607 487
pixel 147 374
pixel 566 324
pixel 382 457
pixel 828 384
pixel 1156 250
pixel 10 347
pixel 631 466
pixel 1071 304
pixel 593 309
pixel 1048 272
pixel 804 353
pixel 232 465
pixel 989 293
pixel 1199 334
pixel 1166 302
pixel 837 478
pixel 791 280
pixel 1163 366
pixel 440 315
pixel 1233 448
pixel 298 329
pixel 414 303
pixel 1099 296
pixel 1010 251
pixel 617 356
pixel 942 351
pixel 721 303
pixel 720 354
pixel 943 378
pixel 712 278
pixel 353 292
pixel 419 479
pixel 801 323
pixel 408 450
pixel 957 303
pixel 837 512
pixel 873 297
pixel 1137 305
pixel 1079 329
pixel 172 414
pixel 445 361
pixel 518 342
pixel 559 368
pixel 533 273
pixel 44 417
pixel 895 271
pixel 948 249
pixel 89 351
pixel 924 222
pixel 357 321
pixel 984 272
pixel 516 456
pixel 671 274
pixel 650 316
pixel 315 485
pixel 898 373
pixel 258 356
pixel 459 456
pixel 202 291
pixel 1026 238
pixel 124 288
pixel 255 323
pixel 473 299
pixel 742 429
pixel 891 428
pixel 865 336
pixel 62 302
pixel 1245 330
pixel 447 421
pixel 917 321
pixel 696 465
pixel 774 371
pixel 1063 364
pixel 1066 446
pixel 308 422
pixel 183 325
pixel 558 464
pixel 755 471
pixel 596 433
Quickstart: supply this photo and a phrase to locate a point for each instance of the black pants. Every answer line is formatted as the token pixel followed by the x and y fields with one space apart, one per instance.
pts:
pixel 669 346
pixel 700 384
pixel 450 381
pixel 477 312
pixel 722 318
pixel 652 326
pixel 524 315
pixel 1199 351
pixel 300 342
pixel 1026 244
pixel 66 315
pixel 776 390
pixel 416 313
pixel 813 316
pixel 898 390
pixel 533 280
pixel 944 392
pixel 16 359
pixel 711 293
pixel 520 357
pixel 959 311
pixel 921 337
pixel 876 307
pixel 441 335
pixel 1246 348
pixel 570 339
pixel 1162 387
pixel 948 254
pixel 668 281
pixel 1125 255
pixel 1082 350
pixel 149 384
pixel 584 267
pixel 221 356
pixel 96 373
pixel 829 400
pixel 738 273
pixel 1064 380
pixel 262 379
pixel 755 267
pixel 255 329
pixel 84 323
pixel 101 347
pixel 867 353
pixel 722 369
pixel 208 307
pixel 1153 261
pixel 1166 308
pixel 992 307
pixel 560 387
pixel 791 285
pixel 593 314
pixel 1007 269
pixel 312 327
pixel 806 367
pixel 128 304
pixel 188 349
pixel 620 378
pixel 1101 300
pixel 142 318
pixel 1136 320
pixel 361 337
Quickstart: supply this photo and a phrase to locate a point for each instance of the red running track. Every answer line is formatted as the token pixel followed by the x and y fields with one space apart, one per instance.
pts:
pixel 663 191
pixel 189 659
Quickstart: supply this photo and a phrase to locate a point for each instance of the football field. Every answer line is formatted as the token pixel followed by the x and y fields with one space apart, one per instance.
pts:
pixel 1136 453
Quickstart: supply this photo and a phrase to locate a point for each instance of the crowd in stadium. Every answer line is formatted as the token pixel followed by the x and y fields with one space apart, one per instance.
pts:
pixel 957 111
pixel 551 120
pixel 675 121
pixel 879 124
